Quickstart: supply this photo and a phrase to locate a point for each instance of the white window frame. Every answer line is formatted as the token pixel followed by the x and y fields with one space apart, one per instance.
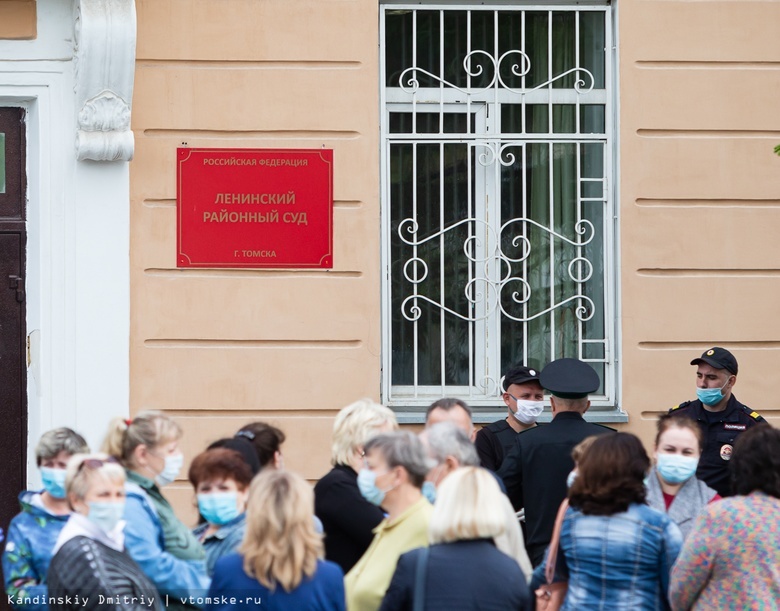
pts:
pixel 410 404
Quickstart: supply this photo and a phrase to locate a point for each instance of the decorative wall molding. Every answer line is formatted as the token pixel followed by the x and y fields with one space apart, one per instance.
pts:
pixel 104 70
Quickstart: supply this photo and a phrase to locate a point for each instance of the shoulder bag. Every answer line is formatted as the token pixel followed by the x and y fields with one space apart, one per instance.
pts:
pixel 550 596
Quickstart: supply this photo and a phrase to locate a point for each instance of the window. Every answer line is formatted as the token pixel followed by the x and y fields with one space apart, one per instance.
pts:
pixel 497 213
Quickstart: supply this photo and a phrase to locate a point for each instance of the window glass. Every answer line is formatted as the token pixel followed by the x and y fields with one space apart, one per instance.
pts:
pixel 496 204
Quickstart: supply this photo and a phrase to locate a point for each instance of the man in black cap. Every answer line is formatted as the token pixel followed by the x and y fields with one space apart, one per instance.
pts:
pixel 524 399
pixel 535 470
pixel 721 417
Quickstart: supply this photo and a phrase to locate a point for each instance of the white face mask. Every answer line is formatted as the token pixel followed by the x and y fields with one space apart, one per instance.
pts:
pixel 528 411
pixel 173 464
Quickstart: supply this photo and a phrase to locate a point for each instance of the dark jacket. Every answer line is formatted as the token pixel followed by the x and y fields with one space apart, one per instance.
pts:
pixel 347 518
pixel 494 442
pixel 86 575
pixel 535 473
pixel 461 576
pixel 720 430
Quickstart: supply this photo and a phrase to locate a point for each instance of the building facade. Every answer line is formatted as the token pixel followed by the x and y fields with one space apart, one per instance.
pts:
pixel 512 182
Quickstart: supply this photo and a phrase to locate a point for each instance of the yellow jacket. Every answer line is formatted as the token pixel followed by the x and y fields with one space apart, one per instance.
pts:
pixel 369 579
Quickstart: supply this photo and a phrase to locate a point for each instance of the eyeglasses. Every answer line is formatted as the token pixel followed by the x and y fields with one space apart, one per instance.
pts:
pixel 96 463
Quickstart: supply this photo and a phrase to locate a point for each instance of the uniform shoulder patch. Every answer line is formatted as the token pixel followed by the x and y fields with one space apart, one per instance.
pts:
pixel 680 406
pixel 753 414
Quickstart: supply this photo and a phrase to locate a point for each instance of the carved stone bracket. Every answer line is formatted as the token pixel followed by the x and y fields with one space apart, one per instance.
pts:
pixel 105 69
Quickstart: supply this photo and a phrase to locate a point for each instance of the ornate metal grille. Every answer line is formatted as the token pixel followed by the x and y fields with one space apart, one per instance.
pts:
pixel 497 210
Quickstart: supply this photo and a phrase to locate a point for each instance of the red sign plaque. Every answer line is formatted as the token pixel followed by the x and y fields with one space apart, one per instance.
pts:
pixel 264 208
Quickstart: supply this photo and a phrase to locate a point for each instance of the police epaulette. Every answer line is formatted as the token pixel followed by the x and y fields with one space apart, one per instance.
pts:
pixel 753 414
pixel 683 404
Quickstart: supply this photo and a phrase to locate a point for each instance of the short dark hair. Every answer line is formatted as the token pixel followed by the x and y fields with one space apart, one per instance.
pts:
pixel 220 463
pixel 447 404
pixel 610 475
pixel 265 439
pixel 243 446
pixel 755 462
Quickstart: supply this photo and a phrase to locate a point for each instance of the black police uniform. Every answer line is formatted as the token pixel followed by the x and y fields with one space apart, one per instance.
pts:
pixel 494 442
pixel 720 430
pixel 535 470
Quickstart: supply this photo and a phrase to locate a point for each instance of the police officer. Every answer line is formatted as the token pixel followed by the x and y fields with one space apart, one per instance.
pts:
pixel 721 417
pixel 535 470
pixel 524 399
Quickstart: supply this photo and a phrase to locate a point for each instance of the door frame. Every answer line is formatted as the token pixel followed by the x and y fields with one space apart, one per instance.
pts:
pixel 77 264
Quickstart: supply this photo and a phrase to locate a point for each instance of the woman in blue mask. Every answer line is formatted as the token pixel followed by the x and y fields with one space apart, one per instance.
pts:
pixel 34 531
pixel 90 564
pixel 166 550
pixel 221 479
pixel 394 470
pixel 672 486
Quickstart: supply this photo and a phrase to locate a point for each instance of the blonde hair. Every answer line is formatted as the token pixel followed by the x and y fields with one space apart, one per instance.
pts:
pixel 511 540
pixel 355 425
pixel 150 428
pixel 280 545
pixel 468 506
pixel 78 480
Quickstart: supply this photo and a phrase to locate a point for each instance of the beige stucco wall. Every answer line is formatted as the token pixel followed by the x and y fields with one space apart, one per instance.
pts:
pixel 223 347
pixel 699 195
pixel 18 19
pixel 699 198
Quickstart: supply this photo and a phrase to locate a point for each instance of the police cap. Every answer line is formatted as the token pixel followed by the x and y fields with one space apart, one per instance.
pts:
pixel 569 379
pixel 519 375
pixel 719 358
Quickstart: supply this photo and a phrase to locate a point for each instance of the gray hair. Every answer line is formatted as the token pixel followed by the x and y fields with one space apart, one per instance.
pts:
pixel 405 450
pixel 59 440
pixel 445 439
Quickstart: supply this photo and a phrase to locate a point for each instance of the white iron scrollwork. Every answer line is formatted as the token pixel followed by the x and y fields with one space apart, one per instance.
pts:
pixel 409 82
pixel 486 289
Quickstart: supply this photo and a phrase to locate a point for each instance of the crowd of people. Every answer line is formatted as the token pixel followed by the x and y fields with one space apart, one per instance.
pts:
pixel 518 515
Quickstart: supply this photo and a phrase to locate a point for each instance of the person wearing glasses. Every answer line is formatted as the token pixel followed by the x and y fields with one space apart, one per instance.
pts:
pixel 166 550
pixel 90 566
pixel 34 531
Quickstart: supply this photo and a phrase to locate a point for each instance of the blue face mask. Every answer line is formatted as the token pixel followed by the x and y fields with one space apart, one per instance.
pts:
pixel 711 396
pixel 571 477
pixel 219 507
pixel 170 472
pixel 106 514
pixel 429 491
pixel 54 481
pixel 676 468
pixel 366 482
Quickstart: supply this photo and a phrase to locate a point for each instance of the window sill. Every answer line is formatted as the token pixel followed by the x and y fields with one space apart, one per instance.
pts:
pixel 603 415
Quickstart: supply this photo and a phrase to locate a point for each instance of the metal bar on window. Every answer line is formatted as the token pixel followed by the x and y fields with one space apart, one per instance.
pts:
pixel 442 293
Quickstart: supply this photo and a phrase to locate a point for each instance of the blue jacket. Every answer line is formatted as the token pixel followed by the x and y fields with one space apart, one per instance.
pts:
pixel 324 591
pixel 28 552
pixel 145 543
pixel 622 561
pixel 223 542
